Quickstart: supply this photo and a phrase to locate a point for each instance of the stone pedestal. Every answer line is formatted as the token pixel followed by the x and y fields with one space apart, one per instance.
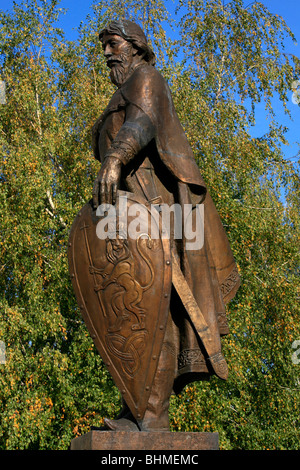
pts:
pixel 124 440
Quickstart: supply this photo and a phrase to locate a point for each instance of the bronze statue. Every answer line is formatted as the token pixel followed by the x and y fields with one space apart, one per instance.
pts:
pixel 155 309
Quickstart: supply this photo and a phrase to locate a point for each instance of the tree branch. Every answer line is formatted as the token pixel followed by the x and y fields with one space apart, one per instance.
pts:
pixel 50 200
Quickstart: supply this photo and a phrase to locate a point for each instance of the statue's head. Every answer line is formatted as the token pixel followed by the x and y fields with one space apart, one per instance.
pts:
pixel 125 46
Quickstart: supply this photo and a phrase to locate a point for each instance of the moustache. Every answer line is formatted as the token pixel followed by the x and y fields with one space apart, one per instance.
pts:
pixel 113 61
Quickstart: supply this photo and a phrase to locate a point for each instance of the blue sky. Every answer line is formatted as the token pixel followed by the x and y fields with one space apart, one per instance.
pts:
pixel 77 10
pixel 290 11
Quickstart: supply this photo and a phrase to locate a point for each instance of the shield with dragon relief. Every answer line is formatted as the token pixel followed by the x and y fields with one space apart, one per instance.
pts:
pixel 120 266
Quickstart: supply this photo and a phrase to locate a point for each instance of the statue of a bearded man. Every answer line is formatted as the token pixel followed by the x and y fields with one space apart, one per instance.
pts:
pixel 144 151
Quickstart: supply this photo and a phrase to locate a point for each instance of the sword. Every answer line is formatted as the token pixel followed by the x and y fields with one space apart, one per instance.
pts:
pixel 216 359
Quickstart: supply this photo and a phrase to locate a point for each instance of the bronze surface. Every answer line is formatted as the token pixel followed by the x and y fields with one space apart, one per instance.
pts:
pixel 124 295
pixel 158 339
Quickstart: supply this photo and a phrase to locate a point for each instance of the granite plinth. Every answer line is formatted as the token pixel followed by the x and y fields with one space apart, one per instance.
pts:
pixel 144 440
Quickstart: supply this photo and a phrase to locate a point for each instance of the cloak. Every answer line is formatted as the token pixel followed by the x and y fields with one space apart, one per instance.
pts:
pixel 140 127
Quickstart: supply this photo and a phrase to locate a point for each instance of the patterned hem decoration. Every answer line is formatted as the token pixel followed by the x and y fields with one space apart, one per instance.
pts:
pixel 223 324
pixel 230 282
pixel 190 357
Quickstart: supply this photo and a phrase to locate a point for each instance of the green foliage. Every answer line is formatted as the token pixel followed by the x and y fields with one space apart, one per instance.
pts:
pixel 53 385
pixel 237 63
pixel 46 173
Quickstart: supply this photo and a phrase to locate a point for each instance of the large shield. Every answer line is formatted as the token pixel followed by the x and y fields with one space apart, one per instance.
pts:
pixel 120 266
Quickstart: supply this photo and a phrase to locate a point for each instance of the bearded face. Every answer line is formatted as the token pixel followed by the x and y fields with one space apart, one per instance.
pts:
pixel 120 67
pixel 119 55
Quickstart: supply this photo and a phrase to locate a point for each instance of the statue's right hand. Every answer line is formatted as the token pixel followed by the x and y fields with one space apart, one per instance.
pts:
pixel 107 182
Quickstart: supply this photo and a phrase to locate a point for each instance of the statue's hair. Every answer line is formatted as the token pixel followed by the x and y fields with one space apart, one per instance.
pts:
pixel 133 33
